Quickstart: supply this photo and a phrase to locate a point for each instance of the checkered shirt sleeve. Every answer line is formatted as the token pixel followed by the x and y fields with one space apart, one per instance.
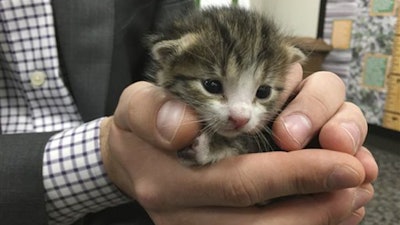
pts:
pixel 74 176
pixel 34 98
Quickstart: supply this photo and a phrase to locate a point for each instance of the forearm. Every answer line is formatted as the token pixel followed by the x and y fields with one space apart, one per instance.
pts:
pixel 21 187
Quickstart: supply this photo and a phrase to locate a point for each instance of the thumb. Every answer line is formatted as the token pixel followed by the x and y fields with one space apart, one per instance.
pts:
pixel 153 115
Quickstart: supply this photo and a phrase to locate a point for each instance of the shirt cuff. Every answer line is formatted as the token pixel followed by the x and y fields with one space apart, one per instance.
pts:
pixel 74 177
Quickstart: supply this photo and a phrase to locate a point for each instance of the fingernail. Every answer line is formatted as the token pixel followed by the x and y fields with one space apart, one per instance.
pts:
pixel 354 133
pixel 169 118
pixel 361 198
pixel 299 127
pixel 343 177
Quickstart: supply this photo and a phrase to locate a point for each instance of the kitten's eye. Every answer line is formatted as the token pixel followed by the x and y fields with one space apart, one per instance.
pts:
pixel 263 92
pixel 213 86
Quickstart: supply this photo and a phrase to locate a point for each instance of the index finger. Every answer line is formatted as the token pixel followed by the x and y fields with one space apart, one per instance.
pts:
pixel 319 97
pixel 252 178
pixel 335 207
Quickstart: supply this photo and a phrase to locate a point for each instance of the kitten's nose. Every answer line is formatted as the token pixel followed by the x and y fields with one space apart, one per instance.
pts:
pixel 239 121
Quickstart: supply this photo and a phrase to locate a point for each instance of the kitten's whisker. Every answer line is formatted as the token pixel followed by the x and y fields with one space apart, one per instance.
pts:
pixel 264 140
pixel 273 136
pixel 212 126
pixel 206 128
pixel 260 142
pixel 190 122
pixel 209 127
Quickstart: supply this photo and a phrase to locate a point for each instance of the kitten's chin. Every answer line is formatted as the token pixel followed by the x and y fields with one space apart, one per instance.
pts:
pixel 229 133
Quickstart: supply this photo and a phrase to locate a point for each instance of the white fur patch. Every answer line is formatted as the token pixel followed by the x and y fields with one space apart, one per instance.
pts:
pixel 203 154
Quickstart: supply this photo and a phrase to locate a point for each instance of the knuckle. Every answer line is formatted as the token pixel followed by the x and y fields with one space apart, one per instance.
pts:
pixel 320 104
pixel 337 82
pixel 356 112
pixel 306 183
pixel 325 92
pixel 148 195
pixel 331 78
pixel 241 191
pixel 329 81
pixel 354 108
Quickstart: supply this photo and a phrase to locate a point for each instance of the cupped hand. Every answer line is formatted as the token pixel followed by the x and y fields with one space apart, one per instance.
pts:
pixel 319 107
pixel 139 145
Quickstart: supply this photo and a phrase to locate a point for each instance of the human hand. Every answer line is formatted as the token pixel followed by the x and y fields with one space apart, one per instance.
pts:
pixel 319 110
pixel 139 145
pixel 319 106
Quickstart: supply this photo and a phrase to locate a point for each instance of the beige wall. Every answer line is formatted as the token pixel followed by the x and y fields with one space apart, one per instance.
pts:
pixel 298 17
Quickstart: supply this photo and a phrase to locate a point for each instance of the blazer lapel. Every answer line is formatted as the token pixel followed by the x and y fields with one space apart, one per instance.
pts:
pixel 85 30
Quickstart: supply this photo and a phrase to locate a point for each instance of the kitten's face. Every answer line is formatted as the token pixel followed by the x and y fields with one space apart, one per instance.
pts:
pixel 242 101
pixel 231 72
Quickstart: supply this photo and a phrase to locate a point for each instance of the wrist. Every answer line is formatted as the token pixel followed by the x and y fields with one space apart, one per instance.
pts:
pixel 113 170
pixel 104 145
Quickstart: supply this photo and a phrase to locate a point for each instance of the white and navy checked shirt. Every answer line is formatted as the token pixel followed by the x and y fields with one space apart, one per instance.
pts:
pixel 34 98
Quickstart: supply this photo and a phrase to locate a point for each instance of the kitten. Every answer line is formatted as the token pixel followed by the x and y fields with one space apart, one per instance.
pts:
pixel 230 65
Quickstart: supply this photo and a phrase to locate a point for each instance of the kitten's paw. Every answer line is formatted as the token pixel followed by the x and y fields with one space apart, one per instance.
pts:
pixel 197 154
pixel 202 152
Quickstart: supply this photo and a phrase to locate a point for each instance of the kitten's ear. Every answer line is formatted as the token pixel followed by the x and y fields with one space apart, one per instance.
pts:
pixel 296 55
pixel 166 51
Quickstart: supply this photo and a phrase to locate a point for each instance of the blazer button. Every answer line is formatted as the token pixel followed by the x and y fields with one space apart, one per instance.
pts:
pixel 38 78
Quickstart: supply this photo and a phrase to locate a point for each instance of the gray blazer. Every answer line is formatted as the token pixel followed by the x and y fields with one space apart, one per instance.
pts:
pixel 100 47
